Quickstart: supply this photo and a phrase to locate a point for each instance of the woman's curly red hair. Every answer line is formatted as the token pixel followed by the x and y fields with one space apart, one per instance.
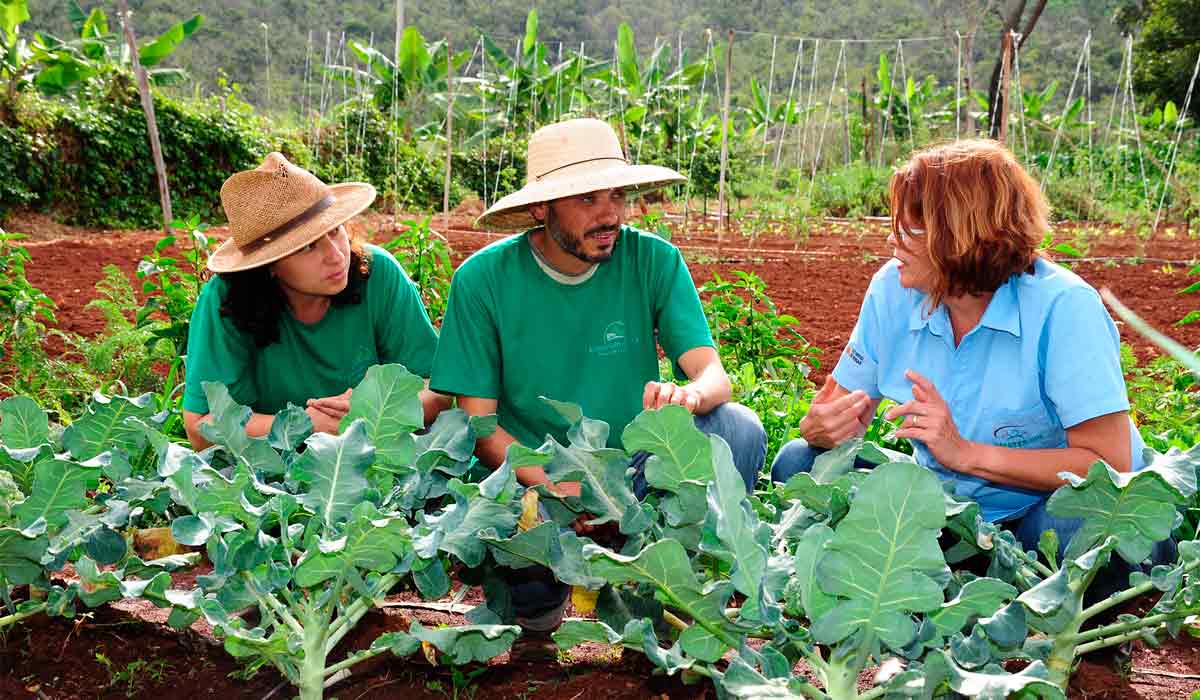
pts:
pixel 984 216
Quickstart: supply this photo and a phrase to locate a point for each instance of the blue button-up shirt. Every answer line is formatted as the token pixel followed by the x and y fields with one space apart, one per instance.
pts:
pixel 1044 357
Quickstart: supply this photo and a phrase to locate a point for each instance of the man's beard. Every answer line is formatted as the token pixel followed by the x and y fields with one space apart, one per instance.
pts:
pixel 574 246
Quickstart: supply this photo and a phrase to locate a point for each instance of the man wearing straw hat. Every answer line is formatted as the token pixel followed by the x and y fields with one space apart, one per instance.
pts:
pixel 572 309
pixel 299 309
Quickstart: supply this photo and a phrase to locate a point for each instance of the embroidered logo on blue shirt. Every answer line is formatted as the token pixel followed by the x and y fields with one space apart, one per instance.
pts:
pixel 854 355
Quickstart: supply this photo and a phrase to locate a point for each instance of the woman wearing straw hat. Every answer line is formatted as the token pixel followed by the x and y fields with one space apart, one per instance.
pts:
pixel 572 310
pixel 299 309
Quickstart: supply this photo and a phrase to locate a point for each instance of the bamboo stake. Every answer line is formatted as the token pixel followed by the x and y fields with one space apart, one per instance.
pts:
pixel 160 168
pixel 1006 66
pixel 449 132
pixel 723 215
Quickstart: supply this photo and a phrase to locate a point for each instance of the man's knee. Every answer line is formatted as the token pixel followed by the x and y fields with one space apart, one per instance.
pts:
pixel 743 431
pixel 794 457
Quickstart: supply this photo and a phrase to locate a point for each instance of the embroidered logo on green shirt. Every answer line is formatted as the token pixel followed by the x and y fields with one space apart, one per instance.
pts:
pixel 614 340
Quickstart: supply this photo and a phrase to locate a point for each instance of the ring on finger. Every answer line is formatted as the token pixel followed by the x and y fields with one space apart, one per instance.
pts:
pixel 916 421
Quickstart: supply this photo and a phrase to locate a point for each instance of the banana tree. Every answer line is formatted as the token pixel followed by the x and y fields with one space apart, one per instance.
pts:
pixel 530 87
pixel 909 105
pixel 96 49
pixel 414 78
pixel 657 109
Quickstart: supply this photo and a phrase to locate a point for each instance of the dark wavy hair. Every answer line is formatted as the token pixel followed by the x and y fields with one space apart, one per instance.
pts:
pixel 255 302
pixel 983 214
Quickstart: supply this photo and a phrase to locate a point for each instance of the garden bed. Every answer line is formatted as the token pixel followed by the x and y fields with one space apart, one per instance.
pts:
pixel 819 278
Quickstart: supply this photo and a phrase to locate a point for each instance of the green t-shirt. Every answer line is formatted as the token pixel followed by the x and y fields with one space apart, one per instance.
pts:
pixel 512 333
pixel 321 359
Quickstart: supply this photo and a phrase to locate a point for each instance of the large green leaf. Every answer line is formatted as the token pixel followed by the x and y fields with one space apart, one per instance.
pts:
pixel 468 643
pixel 20 464
pixel 994 683
pixel 978 598
pixel 680 452
pixel 95 533
pixel 21 555
pixel 103 427
pixel 627 62
pixel 226 426
pixel 414 59
pixel 58 486
pixel 335 467
pixel 738 529
pixel 12 13
pixel 806 596
pixel 166 43
pixel 23 424
pixel 457 528
pixel 1137 508
pixel 665 566
pixel 546 545
pixel 884 557
pixel 572 633
pixel 373 542
pixel 742 682
pixel 388 399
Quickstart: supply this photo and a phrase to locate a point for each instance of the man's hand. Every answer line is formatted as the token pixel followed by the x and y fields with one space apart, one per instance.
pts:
pixel 327 412
pixel 830 421
pixel 659 394
pixel 928 419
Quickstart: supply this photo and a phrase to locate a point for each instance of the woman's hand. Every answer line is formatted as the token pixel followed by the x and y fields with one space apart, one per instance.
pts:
pixel 327 412
pixel 927 418
pixel 831 421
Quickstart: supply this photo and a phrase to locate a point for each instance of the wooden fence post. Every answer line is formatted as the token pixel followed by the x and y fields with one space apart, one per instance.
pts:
pixel 1006 68
pixel 449 132
pixel 722 209
pixel 160 168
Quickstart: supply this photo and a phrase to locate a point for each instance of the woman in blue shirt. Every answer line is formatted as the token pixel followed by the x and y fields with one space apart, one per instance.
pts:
pixel 1005 366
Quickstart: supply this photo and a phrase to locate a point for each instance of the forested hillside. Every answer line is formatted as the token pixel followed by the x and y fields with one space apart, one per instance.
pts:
pixel 247 40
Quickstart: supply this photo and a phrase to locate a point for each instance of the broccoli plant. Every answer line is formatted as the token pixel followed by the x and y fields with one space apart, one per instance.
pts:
pixel 842 568
pixel 314 530
pixel 47 518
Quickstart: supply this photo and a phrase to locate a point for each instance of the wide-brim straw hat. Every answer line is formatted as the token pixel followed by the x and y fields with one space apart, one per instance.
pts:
pixel 277 209
pixel 573 157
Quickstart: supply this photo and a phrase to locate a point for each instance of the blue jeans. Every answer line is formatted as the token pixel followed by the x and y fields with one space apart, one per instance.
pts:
pixel 798 456
pixel 539 600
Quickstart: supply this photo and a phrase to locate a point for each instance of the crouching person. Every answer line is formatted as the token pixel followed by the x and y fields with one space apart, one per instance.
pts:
pixel 573 309
pixel 299 309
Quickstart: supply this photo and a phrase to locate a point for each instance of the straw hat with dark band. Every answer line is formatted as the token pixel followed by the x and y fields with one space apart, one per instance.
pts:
pixel 277 209
pixel 570 158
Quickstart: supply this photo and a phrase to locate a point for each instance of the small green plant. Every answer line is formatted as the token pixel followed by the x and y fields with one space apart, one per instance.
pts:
pixel 424 255
pixel 655 222
pixel 136 677
pixel 767 359
pixel 24 309
pixel 1192 316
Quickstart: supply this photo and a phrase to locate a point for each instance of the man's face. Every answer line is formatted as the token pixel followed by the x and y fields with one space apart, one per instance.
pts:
pixel 587 225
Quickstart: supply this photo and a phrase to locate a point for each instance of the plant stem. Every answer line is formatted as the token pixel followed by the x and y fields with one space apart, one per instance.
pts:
pixel 841 681
pixel 268 600
pixel 354 659
pixel 1128 594
pixel 672 620
pixel 1123 627
pixel 1110 641
pixel 355 611
pixel 17 617
pixel 312 669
